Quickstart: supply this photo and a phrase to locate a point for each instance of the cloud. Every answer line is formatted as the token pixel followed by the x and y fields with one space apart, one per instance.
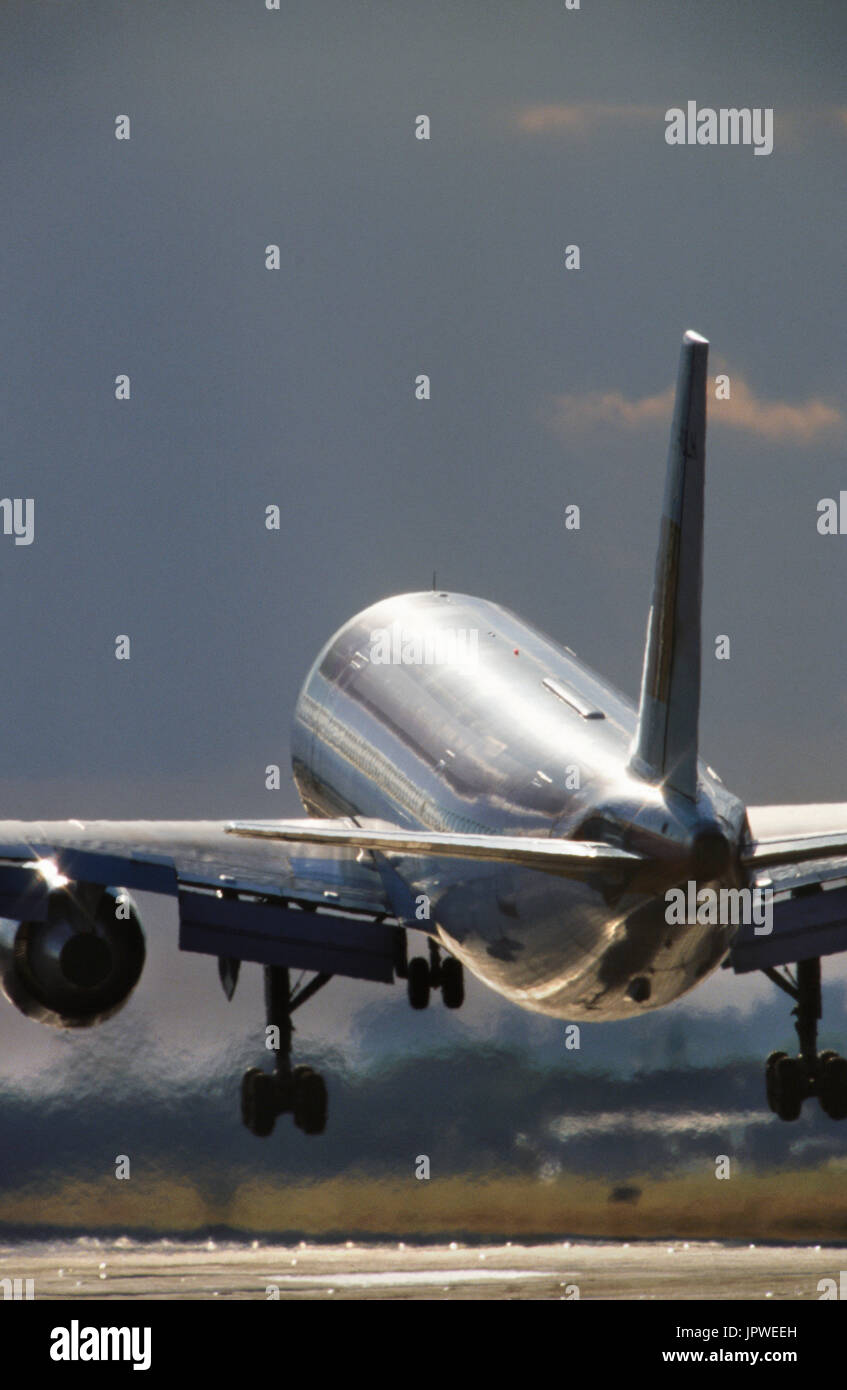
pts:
pixel 777 422
pixel 580 118
pixel 586 412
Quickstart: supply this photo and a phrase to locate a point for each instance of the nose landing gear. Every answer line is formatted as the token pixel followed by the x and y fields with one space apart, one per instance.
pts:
pixel 791 1080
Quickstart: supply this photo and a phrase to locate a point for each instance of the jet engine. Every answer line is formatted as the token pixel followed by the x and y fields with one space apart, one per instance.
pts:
pixel 80 964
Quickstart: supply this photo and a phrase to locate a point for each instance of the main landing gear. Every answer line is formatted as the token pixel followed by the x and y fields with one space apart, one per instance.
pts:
pixel 424 975
pixel 790 1080
pixel 299 1091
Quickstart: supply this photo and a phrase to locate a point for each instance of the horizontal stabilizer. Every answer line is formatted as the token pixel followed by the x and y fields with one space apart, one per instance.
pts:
pixel 569 858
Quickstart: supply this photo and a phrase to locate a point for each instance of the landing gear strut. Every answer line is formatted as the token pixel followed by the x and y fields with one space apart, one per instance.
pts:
pixel 424 975
pixel 790 1080
pixel 299 1091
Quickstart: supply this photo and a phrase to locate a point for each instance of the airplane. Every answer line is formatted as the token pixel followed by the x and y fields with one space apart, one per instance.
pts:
pixel 471 781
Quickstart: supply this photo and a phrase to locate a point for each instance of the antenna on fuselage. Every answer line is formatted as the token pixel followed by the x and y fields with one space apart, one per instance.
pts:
pixel 665 747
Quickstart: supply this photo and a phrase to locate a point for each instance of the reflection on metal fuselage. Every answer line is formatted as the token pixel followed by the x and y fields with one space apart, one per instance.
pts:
pixel 449 713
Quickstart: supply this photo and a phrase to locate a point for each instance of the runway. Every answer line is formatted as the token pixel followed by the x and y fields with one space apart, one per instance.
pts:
pixel 124 1269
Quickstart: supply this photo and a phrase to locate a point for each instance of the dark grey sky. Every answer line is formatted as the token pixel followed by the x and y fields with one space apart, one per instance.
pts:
pixel 296 387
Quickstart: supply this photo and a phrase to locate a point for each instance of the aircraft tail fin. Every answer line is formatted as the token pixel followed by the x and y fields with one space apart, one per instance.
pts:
pixel 665 747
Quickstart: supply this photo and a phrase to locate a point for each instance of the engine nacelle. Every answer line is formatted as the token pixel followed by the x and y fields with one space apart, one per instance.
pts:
pixel 80 965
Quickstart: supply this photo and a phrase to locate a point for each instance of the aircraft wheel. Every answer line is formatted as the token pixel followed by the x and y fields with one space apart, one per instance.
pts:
pixel 247 1084
pixel 832 1085
pixel 258 1102
pixel 417 983
pixel 310 1101
pixel 770 1084
pixel 789 1087
pixel 452 983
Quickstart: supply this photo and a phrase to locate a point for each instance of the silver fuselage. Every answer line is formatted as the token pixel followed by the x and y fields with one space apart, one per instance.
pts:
pixel 449 713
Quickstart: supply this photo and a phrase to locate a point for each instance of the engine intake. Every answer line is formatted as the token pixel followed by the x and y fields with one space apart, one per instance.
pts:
pixel 80 965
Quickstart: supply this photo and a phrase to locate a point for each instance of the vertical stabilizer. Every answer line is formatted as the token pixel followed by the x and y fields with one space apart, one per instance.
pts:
pixel 666 741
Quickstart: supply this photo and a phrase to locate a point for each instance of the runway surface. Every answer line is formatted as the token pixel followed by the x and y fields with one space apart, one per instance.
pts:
pixel 89 1268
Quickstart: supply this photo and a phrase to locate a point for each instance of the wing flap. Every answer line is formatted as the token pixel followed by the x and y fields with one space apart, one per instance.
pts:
pixel 279 934
pixel 812 924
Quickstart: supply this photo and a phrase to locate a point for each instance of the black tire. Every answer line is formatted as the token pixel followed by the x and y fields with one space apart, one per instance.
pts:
pixel 452 983
pixel 770 1084
pixel 310 1101
pixel 418 983
pixel 832 1086
pixel 247 1095
pixel 789 1088
pixel 258 1102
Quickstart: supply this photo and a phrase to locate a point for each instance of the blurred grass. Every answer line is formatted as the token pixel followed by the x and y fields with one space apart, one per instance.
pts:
pixel 788 1204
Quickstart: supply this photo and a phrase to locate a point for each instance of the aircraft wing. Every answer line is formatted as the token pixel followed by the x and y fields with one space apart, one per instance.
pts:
pixel 305 893
pixel 799 853
pixel 795 834
pixel 313 908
